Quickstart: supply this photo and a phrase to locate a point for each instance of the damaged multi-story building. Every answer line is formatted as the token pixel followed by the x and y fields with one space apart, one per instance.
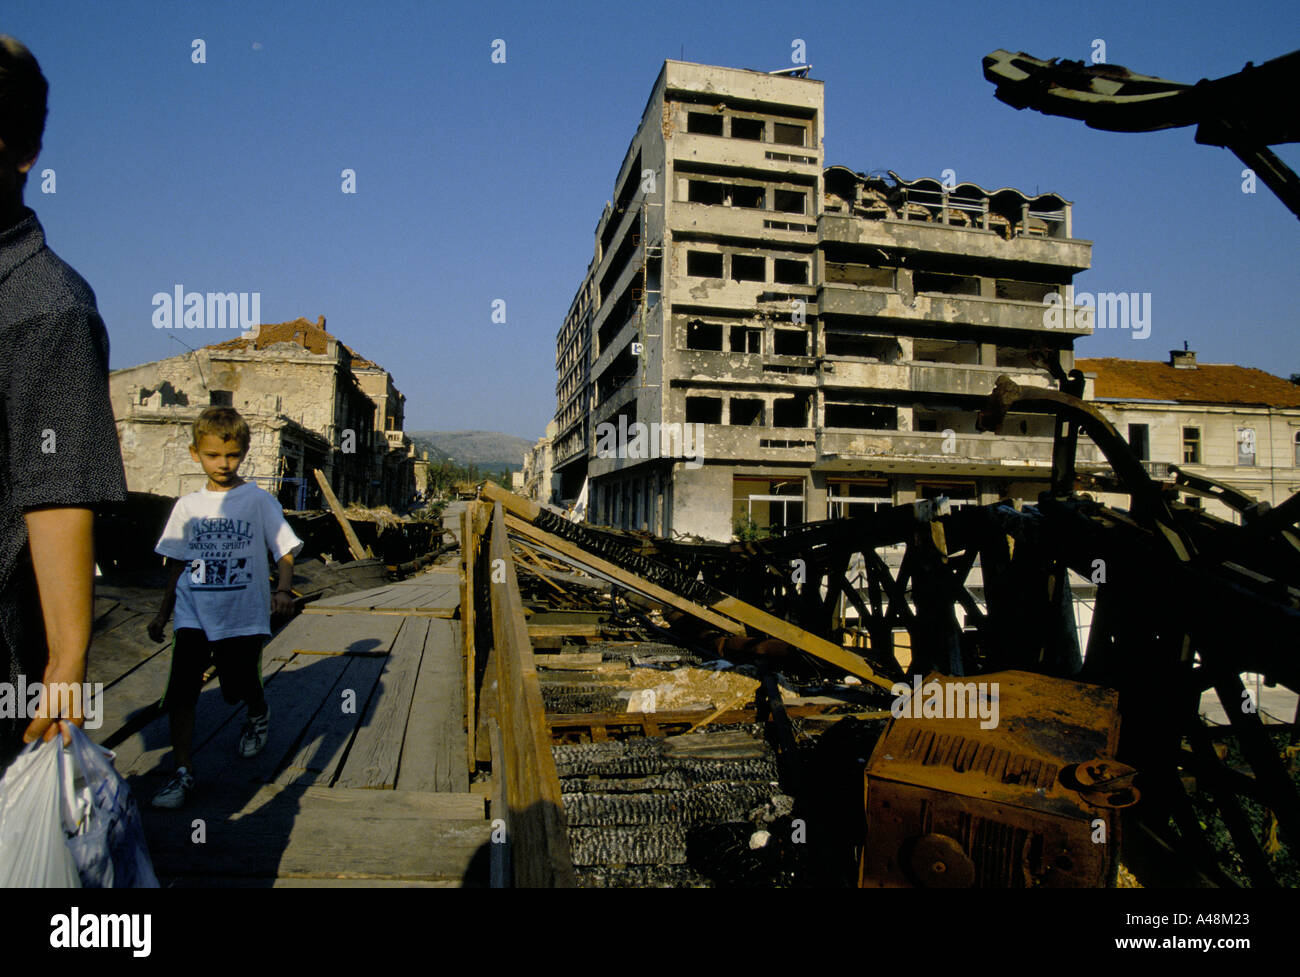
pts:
pixel 799 341
pixel 311 402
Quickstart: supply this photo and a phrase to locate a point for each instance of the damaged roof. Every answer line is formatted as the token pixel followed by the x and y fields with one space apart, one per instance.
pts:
pixel 837 174
pixel 1207 383
pixel 311 336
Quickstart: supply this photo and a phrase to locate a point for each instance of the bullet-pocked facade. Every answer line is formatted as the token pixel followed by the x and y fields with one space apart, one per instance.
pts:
pixel 799 342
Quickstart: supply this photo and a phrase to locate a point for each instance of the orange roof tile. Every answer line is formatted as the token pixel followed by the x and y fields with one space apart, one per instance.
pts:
pixel 1208 383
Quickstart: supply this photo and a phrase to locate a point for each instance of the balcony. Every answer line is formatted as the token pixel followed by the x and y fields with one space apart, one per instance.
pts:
pixel 1066 253
pixel 924 377
pixel 894 446
pixel 744 297
pixel 935 307
pixel 745 154
pixel 744 223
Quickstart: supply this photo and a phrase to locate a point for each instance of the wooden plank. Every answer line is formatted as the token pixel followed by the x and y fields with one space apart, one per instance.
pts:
pixel 308 833
pixel 499 869
pixel 471 537
pixel 116 651
pixel 358 551
pixel 445 613
pixel 564 630
pixel 433 751
pixel 629 580
pixel 296 693
pixel 535 820
pixel 145 749
pixel 579 661
pixel 139 689
pixel 366 599
pixel 372 761
pixel 329 735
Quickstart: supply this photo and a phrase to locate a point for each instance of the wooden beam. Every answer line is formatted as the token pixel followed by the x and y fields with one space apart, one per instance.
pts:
pixel 359 552
pixel 535 821
pixel 629 580
pixel 564 630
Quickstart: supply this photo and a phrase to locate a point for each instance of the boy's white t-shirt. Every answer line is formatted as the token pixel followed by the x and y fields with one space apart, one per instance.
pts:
pixel 224 537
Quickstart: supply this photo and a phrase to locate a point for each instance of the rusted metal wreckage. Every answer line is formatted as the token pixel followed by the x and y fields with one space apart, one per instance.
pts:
pixel 1185 603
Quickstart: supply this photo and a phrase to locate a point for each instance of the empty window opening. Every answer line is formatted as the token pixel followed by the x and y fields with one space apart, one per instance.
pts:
pixel 703 335
pixel 747 128
pixel 746 340
pixel 704 264
pixel 221 398
pixel 853 498
pixel 790 411
pixel 1191 446
pixel 789 201
pixel 748 268
pixel 1014 356
pixel 946 351
pixel 751 197
pixel 763 506
pixel 788 272
pixel 1023 291
pixel 705 192
pixel 788 135
pixel 1139 439
pixel 790 342
pixel 855 274
pixel 703 410
pixel 865 347
pixel 746 412
pixel 705 123
pixel 862 416
pixel 930 281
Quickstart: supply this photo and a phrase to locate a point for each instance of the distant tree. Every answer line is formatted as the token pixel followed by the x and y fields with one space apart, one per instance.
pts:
pixel 1295 378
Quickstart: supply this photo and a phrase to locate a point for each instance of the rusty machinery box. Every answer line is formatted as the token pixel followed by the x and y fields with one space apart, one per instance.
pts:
pixel 1029 800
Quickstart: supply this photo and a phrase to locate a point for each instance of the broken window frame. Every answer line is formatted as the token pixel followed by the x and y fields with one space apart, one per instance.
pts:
pixel 1191 445
pixel 695 257
pixel 842 505
pixel 705 117
pixel 745 259
pixel 744 119
pixel 1247 460
pixel 780 129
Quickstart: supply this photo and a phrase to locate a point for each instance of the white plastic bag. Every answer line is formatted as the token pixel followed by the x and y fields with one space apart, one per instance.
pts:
pixel 33 847
pixel 101 820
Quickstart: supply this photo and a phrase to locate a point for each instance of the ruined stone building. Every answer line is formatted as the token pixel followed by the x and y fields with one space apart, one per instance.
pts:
pixel 537 478
pixel 310 402
pixel 1234 424
pixel 799 342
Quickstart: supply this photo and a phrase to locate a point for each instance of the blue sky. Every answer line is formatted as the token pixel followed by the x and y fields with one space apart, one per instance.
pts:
pixel 479 181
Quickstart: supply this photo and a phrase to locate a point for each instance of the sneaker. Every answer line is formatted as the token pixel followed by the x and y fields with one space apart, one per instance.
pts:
pixel 253 737
pixel 176 791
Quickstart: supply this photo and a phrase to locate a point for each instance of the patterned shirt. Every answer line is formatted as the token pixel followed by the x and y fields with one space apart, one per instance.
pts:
pixel 58 440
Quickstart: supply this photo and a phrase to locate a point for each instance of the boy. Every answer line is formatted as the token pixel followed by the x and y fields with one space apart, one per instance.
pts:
pixel 215 543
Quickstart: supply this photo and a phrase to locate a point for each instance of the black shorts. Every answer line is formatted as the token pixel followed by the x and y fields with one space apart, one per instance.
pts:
pixel 238 661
